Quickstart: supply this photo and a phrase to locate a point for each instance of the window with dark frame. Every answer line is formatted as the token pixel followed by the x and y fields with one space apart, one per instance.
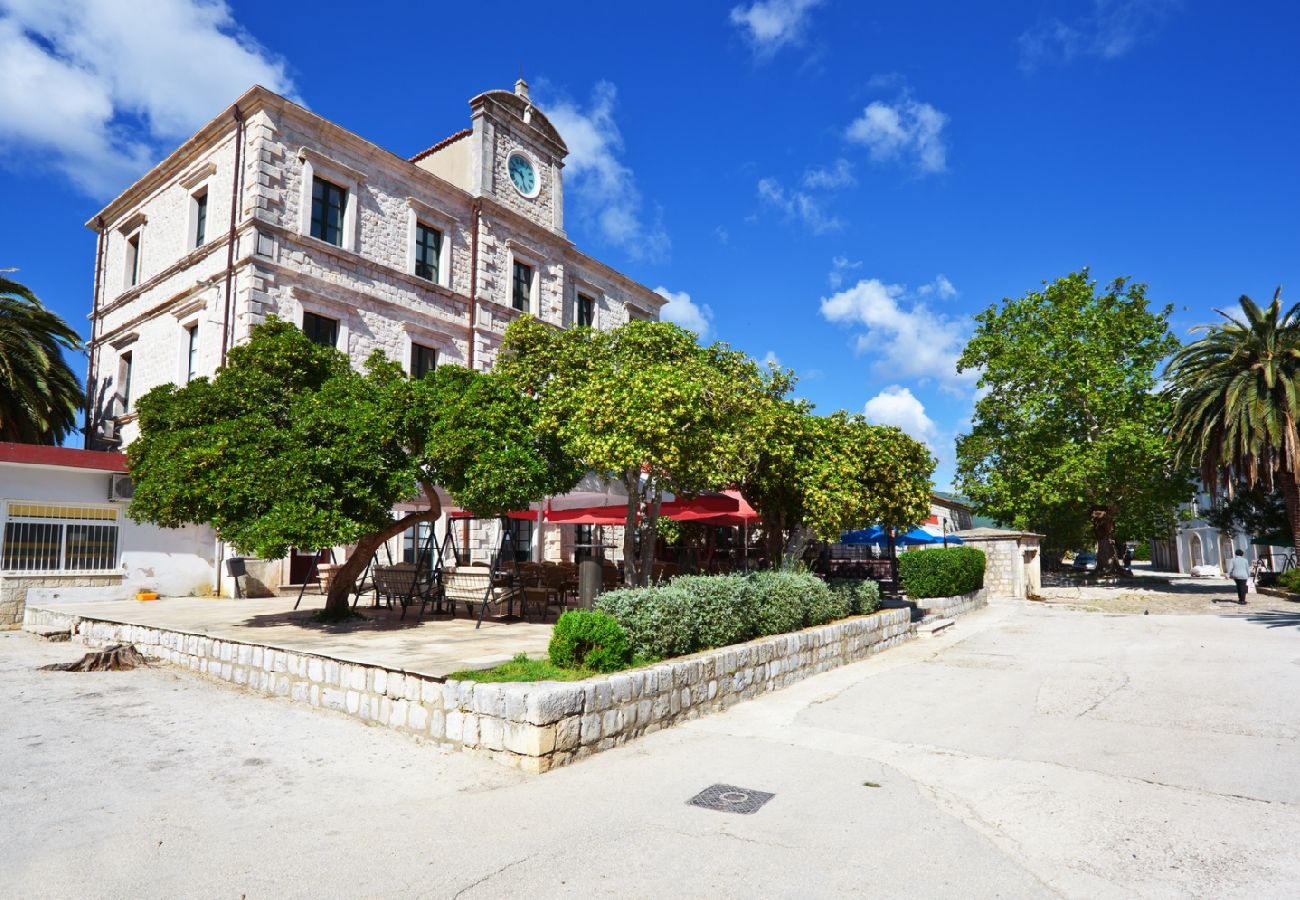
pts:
pixel 428 252
pixel 320 329
pixel 417 546
pixel 191 352
pixel 521 539
pixel 124 380
pixel 522 294
pixel 133 260
pixel 329 204
pixel 586 312
pixel 200 218
pixel 423 360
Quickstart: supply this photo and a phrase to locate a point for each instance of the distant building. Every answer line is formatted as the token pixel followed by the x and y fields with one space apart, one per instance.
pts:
pixel 949 513
pixel 1195 542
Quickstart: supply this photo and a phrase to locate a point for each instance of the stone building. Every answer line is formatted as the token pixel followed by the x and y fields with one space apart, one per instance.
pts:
pixel 271 209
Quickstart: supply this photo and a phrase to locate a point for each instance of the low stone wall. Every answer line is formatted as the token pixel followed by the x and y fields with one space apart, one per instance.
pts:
pixel 534 726
pixel 952 606
pixel 13 591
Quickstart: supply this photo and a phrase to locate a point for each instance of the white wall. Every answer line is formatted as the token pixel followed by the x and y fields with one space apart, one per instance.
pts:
pixel 171 561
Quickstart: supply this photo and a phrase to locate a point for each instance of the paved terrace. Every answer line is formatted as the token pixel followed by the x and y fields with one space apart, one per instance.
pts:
pixel 434 646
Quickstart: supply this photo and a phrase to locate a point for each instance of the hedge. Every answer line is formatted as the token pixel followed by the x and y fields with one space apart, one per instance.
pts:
pixel 941 572
pixel 862 595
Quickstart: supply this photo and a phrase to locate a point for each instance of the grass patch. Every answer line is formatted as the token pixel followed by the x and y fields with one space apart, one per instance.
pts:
pixel 521 668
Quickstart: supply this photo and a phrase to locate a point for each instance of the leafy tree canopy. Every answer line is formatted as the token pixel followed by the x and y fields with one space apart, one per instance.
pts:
pixel 289 446
pixel 1069 432
pixel 646 404
pixel 39 394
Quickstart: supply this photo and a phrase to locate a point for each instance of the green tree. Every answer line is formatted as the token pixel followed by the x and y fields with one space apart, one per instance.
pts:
pixel 818 476
pixel 643 403
pixel 39 395
pixel 1069 433
pixel 289 446
pixel 1236 399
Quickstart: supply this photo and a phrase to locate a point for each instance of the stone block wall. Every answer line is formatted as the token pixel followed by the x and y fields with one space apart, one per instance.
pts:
pixel 533 726
pixel 13 591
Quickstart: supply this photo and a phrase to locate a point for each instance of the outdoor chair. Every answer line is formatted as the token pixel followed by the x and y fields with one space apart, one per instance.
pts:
pixel 400 583
pixel 475 585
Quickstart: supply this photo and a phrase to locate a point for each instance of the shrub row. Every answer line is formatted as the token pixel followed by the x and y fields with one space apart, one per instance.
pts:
pixel 941 572
pixel 699 612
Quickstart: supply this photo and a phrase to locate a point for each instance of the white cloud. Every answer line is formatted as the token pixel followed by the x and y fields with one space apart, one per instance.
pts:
pixel 770 25
pixel 682 310
pixel 604 187
pixel 837 175
pixel 1107 31
pixel 798 205
pixel 941 287
pixel 771 359
pixel 98 89
pixel 896 405
pixel 906 338
pixel 841 266
pixel 903 131
pixel 723 236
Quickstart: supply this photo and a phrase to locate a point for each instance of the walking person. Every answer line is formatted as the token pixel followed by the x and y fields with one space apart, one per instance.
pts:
pixel 1239 571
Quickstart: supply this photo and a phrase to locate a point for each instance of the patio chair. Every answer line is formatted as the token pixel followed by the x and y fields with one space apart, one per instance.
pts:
pixel 400 583
pixel 474 584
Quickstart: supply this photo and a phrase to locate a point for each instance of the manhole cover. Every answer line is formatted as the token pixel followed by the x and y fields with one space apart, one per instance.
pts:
pixel 729 798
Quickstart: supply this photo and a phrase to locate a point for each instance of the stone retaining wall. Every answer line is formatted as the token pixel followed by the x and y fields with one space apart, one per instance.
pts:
pixel 534 726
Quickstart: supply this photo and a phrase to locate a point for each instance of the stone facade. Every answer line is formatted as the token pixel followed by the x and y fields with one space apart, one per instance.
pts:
pixel 1013 563
pixel 14 588
pixel 167 306
pixel 533 726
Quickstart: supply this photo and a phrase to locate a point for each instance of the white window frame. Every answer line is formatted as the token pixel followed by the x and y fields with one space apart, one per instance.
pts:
pixel 420 213
pixel 318 165
pixel 599 300
pixel 531 258
pixel 115 521
pixel 191 341
pixel 192 239
pixel 132 229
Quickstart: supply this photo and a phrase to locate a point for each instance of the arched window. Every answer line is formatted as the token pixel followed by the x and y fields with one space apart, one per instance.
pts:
pixel 1197 557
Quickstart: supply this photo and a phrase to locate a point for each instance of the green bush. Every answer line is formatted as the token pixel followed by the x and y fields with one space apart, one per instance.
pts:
pixel 722 608
pixel 659 620
pixel 1143 551
pixel 1290 579
pixel 589 639
pixel 861 595
pixel 821 604
pixel 941 572
pixel 780 601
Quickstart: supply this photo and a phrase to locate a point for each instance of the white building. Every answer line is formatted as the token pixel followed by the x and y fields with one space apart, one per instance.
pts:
pixel 64 534
pixel 427 259
pixel 1195 542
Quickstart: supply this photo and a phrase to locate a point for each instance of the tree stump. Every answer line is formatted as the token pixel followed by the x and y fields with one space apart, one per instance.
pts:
pixel 118 658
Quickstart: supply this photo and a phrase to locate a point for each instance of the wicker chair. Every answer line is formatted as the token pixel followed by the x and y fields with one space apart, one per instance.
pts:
pixel 474 584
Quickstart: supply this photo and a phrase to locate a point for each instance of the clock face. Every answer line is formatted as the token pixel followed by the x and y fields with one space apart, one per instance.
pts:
pixel 523 176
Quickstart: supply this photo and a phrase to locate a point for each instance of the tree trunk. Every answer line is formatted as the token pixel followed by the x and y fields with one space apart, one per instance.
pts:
pixel 1103 529
pixel 337 605
pixel 632 481
pixel 1291 499
pixel 649 539
pixel 795 546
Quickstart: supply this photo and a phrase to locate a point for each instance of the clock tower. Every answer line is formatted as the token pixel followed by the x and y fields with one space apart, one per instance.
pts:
pixel 517 156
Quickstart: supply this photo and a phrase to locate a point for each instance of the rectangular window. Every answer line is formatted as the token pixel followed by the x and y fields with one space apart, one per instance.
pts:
pixel 423 360
pixel 320 329
pixel 428 250
pixel 586 312
pixel 523 287
pixel 133 260
pixel 200 218
pixel 584 542
pixel 417 546
pixel 124 380
pixel 42 537
pixel 329 203
pixel 521 539
pixel 191 352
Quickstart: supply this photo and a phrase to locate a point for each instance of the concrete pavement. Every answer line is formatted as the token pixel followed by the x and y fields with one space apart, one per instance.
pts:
pixel 1027 751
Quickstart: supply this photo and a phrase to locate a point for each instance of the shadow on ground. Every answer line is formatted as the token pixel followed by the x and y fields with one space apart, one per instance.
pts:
pixel 1268 618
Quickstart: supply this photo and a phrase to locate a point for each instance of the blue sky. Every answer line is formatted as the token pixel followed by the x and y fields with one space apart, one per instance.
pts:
pixel 838 184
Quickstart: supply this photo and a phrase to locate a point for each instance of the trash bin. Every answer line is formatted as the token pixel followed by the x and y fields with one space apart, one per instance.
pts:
pixel 590 580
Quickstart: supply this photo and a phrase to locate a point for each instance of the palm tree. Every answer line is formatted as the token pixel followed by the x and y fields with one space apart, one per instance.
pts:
pixel 39 395
pixel 1236 393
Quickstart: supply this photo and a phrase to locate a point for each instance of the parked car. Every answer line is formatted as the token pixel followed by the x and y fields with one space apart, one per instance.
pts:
pixel 1085 562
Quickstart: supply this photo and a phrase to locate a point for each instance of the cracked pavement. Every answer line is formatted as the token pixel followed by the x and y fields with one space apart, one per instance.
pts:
pixel 1029 750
